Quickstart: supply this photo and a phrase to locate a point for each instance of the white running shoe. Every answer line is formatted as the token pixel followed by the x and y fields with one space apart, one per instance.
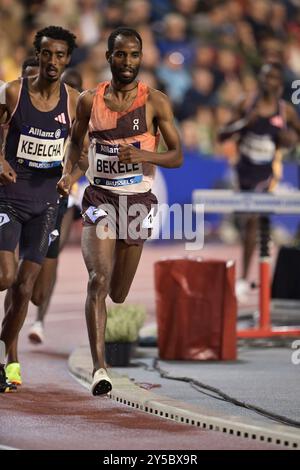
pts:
pixel 242 291
pixel 36 333
pixel 101 384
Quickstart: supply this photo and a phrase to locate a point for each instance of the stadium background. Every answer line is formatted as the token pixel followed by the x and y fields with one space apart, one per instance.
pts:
pixel 203 53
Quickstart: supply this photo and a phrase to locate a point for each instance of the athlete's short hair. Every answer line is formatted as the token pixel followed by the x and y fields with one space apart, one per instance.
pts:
pixel 29 62
pixel 122 31
pixel 55 32
pixel 73 78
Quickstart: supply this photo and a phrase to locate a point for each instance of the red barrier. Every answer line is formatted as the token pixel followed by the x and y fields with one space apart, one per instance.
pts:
pixel 196 309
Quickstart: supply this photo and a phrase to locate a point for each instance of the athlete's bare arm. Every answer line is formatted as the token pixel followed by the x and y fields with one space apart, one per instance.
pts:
pixel 11 93
pixel 277 169
pixel 290 136
pixel 292 118
pixel 161 114
pixel 78 134
pixel 3 112
pixel 238 122
pixel 82 165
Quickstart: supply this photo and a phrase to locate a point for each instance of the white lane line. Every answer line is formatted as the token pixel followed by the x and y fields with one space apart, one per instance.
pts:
pixel 8 448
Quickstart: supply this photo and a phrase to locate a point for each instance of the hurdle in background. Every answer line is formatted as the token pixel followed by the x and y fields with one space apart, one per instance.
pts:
pixel 263 204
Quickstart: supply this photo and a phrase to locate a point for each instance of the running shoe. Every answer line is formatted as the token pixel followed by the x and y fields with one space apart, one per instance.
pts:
pixel 5 386
pixel 242 291
pixel 13 373
pixel 36 333
pixel 101 384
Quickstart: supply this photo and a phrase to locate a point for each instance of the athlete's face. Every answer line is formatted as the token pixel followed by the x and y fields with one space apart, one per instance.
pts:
pixel 53 58
pixel 270 80
pixel 125 59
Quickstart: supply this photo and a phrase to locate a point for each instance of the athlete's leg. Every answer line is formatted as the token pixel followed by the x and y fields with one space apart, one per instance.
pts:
pixel 7 269
pixel 9 236
pixel 7 276
pixel 12 354
pixel 13 369
pixel 46 280
pixel 249 243
pixel 10 232
pixel 66 227
pixel 33 247
pixel 98 258
pixel 44 286
pixel 126 261
pixel 251 230
pixel 21 295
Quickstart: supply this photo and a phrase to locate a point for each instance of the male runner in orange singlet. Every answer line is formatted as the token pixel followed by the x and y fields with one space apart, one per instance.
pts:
pixel 123 117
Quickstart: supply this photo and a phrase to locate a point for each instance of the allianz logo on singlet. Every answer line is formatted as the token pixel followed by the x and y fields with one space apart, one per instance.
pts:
pixel 112 149
pixel 107 149
pixel 47 134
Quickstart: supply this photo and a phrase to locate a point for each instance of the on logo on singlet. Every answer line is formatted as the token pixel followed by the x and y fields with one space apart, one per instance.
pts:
pixel 136 124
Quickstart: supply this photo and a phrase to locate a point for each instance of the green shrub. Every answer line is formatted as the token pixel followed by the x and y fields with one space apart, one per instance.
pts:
pixel 124 323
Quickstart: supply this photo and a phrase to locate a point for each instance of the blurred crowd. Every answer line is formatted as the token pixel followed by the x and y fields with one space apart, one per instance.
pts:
pixel 203 53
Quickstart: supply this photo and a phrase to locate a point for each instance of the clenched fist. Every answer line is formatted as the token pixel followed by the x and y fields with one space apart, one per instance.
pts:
pixel 130 154
pixel 7 174
pixel 64 185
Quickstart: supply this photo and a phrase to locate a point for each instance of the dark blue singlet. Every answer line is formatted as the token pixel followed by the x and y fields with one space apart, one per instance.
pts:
pixel 257 146
pixel 34 148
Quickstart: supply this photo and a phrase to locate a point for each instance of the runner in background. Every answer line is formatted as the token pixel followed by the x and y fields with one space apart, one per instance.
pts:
pixel 263 124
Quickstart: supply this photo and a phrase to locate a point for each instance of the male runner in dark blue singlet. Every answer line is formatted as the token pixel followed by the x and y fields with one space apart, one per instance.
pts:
pixel 44 284
pixel 40 110
pixel 263 124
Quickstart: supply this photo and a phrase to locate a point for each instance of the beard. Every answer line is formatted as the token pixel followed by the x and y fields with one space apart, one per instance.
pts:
pixel 117 75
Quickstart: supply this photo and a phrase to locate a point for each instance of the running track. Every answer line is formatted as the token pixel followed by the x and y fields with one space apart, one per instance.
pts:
pixel 52 411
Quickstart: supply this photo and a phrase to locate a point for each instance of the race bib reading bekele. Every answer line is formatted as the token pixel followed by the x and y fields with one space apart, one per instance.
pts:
pixel 39 148
pixel 109 171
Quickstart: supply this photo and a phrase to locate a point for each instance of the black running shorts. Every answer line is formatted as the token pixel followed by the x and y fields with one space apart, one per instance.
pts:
pixel 29 224
pixel 53 250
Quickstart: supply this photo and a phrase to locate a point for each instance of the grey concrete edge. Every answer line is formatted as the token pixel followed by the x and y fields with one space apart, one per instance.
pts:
pixel 127 393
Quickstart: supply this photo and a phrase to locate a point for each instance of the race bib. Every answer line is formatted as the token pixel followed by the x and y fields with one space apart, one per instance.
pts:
pixel 260 149
pixel 109 171
pixel 39 148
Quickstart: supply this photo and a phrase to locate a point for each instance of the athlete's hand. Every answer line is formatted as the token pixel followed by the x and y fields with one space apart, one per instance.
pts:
pixel 273 184
pixel 7 174
pixel 130 154
pixel 64 185
pixel 288 138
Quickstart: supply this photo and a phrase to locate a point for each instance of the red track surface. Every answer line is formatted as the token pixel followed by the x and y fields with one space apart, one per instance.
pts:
pixel 52 411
